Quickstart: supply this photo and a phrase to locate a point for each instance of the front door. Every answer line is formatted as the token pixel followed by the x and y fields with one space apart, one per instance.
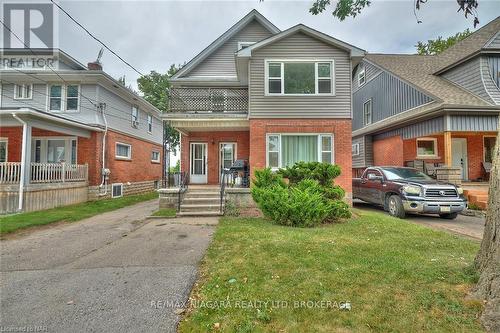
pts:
pixel 198 163
pixel 459 155
pixel 227 155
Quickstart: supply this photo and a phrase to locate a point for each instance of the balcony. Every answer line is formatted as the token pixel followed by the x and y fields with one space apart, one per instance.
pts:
pixel 208 100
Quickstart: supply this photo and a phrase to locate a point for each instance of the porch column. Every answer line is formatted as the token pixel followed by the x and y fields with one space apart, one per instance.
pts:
pixel 447 149
pixel 26 154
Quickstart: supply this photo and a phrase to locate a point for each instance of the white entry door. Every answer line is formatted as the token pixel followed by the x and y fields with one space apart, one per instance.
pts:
pixel 459 155
pixel 198 163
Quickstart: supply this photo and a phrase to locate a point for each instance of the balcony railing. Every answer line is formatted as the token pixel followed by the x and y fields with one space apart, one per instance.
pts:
pixel 10 173
pixel 207 100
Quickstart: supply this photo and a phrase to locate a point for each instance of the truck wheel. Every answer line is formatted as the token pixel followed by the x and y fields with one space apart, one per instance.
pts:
pixel 395 207
pixel 448 216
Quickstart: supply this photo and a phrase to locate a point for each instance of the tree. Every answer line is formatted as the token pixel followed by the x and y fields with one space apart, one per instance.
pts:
pixel 351 8
pixel 487 261
pixel 436 46
pixel 155 87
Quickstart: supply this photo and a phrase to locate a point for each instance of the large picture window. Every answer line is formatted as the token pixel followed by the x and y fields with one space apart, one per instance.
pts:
pixel 64 98
pixel 299 77
pixel 286 149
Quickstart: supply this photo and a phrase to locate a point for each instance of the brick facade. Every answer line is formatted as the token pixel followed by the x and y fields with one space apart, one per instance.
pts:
pixel 213 139
pixel 139 168
pixel 340 128
pixel 388 151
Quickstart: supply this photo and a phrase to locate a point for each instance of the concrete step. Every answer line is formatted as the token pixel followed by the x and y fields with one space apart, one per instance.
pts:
pixel 200 213
pixel 478 197
pixel 199 207
pixel 475 192
pixel 201 194
pixel 201 200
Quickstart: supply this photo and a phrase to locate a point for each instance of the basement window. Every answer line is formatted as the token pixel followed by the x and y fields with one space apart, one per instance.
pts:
pixel 116 190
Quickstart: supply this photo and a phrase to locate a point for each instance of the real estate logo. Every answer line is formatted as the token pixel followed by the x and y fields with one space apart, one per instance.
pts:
pixel 28 25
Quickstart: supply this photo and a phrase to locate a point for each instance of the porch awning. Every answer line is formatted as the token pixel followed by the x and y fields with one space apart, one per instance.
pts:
pixel 46 121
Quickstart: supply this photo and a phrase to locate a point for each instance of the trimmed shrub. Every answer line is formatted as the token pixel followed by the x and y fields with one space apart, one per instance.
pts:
pixel 309 199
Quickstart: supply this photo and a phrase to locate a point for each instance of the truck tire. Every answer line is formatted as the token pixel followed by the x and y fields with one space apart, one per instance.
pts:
pixel 395 207
pixel 448 216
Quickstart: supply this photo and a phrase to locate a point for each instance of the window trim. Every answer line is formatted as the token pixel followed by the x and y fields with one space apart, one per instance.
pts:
pixel 357 146
pixel 23 85
pixel 316 61
pixel 121 191
pixel 370 101
pixel 362 73
pixel 134 123
pixel 150 123
pixel 64 98
pixel 319 152
pixel 119 157
pixel 159 156
pixel 247 44
pixel 44 143
pixel 6 140
pixel 435 145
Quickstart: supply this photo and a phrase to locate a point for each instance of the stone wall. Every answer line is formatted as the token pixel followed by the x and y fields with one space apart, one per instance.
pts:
pixel 128 189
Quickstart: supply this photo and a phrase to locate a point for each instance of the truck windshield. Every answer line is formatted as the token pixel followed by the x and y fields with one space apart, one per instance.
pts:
pixel 404 173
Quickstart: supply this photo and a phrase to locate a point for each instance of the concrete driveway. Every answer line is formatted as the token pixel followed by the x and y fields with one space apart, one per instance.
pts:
pixel 111 273
pixel 468 226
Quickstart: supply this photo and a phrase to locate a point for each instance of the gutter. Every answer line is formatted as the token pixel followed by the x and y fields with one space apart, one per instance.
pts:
pixel 23 162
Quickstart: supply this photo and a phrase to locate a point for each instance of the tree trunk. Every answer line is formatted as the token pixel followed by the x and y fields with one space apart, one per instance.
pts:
pixel 487 260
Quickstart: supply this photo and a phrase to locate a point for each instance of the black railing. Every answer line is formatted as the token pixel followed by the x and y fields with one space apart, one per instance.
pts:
pixel 236 176
pixel 223 179
pixel 207 100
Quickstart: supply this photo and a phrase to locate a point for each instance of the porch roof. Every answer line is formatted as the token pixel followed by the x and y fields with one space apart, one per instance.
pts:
pixel 46 121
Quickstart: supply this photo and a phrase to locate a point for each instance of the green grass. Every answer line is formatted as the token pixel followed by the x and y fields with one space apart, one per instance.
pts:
pixel 165 212
pixel 398 277
pixel 71 213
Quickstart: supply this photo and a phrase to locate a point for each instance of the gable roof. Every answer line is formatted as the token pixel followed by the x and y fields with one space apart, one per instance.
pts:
pixel 354 51
pixel 476 42
pixel 418 70
pixel 247 19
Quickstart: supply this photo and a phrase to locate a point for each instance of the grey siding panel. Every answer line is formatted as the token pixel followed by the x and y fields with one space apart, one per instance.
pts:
pixel 358 161
pixel 494 66
pixel 465 123
pixel 371 71
pixel 300 46
pixel 368 150
pixel 489 83
pixel 422 128
pixel 119 117
pixel 495 43
pixel 389 95
pixel 221 62
pixel 39 100
pixel 468 76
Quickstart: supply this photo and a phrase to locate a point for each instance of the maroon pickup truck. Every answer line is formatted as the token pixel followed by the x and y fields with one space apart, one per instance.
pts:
pixel 406 190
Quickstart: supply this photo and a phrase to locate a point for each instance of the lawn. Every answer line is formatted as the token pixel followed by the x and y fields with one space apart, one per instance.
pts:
pixel 397 276
pixel 165 212
pixel 71 213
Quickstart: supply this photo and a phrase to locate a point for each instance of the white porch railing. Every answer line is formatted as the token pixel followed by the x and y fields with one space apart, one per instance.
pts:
pixel 10 172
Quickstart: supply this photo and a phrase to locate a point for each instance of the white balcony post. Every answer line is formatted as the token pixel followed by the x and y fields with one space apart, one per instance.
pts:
pixel 25 175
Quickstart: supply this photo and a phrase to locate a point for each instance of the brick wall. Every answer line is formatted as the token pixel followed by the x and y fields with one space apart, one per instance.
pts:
pixel 388 151
pixel 139 168
pixel 340 128
pixel 410 149
pixel 213 139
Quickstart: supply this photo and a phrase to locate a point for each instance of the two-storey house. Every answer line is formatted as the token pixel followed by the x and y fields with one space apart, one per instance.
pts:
pixel 69 133
pixel 267 96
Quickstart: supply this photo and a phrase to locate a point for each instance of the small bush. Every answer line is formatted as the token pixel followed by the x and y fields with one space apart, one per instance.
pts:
pixel 309 199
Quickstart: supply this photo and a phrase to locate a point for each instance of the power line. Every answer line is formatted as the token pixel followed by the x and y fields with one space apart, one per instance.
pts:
pixel 95 38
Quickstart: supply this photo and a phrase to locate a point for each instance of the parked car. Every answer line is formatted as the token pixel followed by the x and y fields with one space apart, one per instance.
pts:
pixel 406 190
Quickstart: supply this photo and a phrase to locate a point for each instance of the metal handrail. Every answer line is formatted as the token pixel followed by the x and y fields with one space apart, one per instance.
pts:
pixel 182 186
pixel 224 172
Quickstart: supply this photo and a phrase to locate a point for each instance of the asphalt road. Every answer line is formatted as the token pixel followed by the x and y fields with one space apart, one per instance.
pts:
pixel 110 273
pixel 468 226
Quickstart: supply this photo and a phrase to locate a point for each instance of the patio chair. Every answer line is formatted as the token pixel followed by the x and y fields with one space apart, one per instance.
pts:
pixel 430 169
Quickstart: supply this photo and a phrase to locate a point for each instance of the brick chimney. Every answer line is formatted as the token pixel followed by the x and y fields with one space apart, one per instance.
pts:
pixel 94 66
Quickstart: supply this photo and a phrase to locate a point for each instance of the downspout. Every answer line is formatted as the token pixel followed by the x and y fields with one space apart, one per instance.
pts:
pixel 23 162
pixel 102 106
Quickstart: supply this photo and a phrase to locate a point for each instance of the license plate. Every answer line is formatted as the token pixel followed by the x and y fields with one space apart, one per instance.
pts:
pixel 445 209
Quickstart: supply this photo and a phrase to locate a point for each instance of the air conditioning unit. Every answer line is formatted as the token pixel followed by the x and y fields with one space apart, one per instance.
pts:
pixel 135 123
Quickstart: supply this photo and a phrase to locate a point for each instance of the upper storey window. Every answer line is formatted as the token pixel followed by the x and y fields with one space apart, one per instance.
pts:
pixel 361 77
pixel 23 91
pixel 299 77
pixel 64 97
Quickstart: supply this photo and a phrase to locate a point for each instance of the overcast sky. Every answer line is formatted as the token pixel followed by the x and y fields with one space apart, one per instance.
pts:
pixel 151 35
